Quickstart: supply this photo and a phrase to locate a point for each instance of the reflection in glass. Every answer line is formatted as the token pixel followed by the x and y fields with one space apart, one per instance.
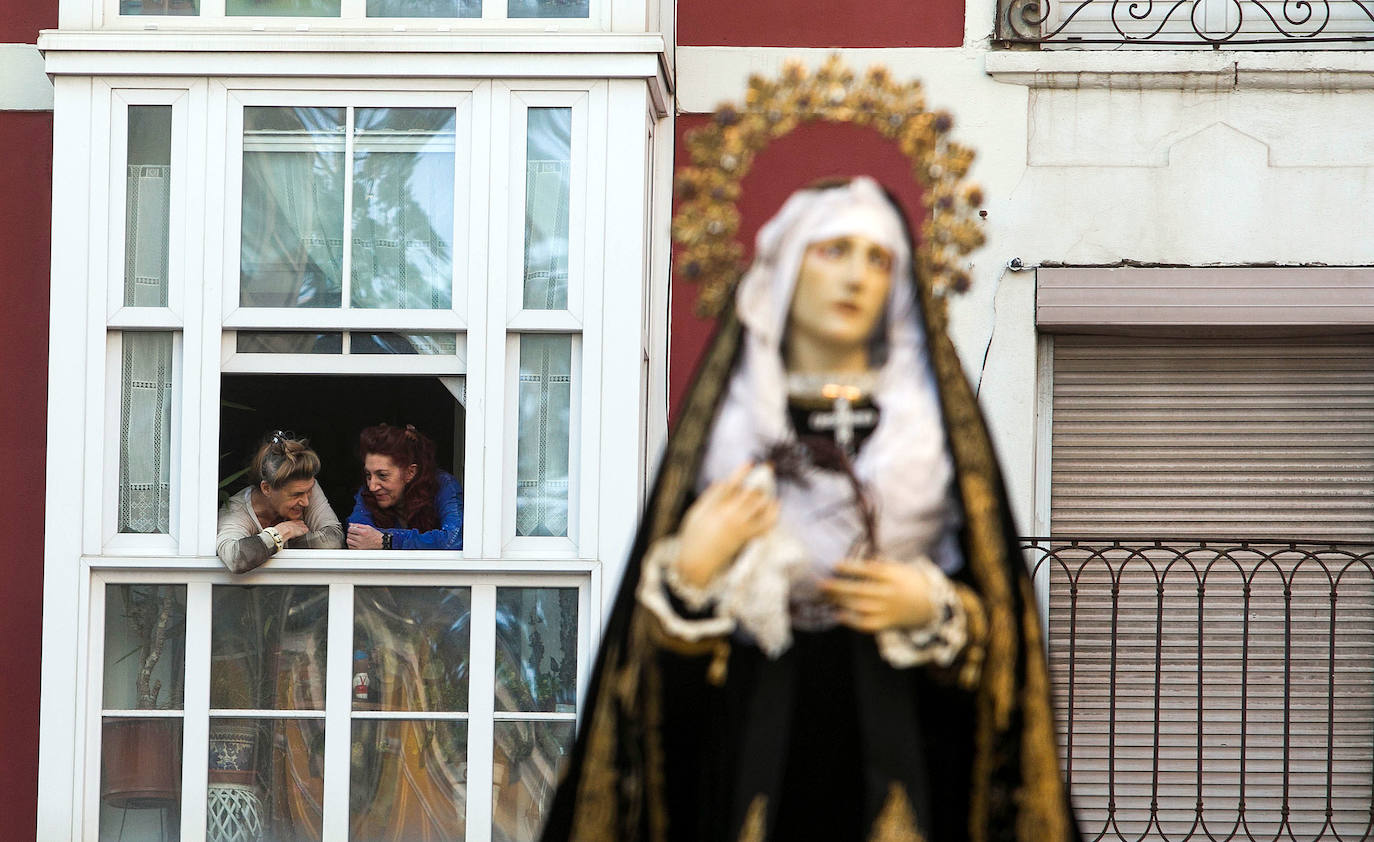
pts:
pixel 547 8
pixel 402 238
pixel 536 649
pixel 424 8
pixel 548 195
pixel 287 342
pixel 145 647
pixel 267 647
pixel 427 344
pixel 145 433
pixel 410 648
pixel 529 757
pixel 291 250
pixel 159 7
pixel 408 780
pixel 147 208
pixel 543 435
pixel 140 779
pixel 265 780
pixel 287 8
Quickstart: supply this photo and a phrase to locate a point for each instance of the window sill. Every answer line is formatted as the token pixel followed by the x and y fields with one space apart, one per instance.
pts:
pixel 348 562
pixel 1185 69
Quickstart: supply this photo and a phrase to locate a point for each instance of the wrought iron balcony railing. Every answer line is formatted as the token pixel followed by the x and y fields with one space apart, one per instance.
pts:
pixel 1213 689
pixel 1186 23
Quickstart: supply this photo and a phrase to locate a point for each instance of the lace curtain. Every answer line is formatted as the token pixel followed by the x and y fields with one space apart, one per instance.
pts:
pixel 147 208
pixel 545 394
pixel 145 433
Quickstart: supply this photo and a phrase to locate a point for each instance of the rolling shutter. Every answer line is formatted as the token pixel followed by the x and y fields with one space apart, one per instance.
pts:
pixel 1210 688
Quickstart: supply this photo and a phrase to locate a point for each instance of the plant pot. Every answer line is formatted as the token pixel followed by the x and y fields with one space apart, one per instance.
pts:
pixel 140 763
pixel 233 749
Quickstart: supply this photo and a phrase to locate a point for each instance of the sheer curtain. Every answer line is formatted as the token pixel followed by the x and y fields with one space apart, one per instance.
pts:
pixel 145 433
pixel 402 240
pixel 545 395
pixel 548 196
pixel 147 208
pixel 293 199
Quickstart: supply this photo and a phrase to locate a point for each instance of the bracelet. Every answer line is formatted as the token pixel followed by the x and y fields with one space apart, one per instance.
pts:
pixel 275 536
pixel 386 540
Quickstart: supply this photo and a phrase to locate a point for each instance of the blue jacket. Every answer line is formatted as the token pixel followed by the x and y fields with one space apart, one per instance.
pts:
pixel 448 500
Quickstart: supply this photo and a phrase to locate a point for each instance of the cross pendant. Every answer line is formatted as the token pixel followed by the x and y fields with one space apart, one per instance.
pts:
pixel 844 419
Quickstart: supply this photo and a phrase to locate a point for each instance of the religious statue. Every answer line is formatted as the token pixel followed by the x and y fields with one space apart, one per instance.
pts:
pixel 826 630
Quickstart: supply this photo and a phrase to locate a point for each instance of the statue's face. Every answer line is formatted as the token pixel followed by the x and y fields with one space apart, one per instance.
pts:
pixel 841 289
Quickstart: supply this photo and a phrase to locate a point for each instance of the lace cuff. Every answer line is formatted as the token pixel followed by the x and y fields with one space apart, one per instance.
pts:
pixel 940 641
pixel 660 574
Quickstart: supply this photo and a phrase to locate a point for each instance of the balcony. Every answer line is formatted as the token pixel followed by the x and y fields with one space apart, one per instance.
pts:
pixel 1197 24
pixel 1213 689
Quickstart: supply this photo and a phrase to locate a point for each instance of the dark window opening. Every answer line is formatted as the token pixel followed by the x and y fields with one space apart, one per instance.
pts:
pixel 331 410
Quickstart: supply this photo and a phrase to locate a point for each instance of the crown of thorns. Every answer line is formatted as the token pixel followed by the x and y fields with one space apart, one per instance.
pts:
pixel 707 219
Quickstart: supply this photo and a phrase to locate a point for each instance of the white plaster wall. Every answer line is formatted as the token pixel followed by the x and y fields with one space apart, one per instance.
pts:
pixel 1174 158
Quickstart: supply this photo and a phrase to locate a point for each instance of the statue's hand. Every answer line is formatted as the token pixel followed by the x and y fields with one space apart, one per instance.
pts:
pixel 876 595
pixel 726 516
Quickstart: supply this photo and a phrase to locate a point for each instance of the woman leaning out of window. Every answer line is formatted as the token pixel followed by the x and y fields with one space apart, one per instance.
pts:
pixel 406 502
pixel 285 508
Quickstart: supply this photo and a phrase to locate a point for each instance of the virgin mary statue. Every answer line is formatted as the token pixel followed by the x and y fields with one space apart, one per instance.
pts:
pixel 825 630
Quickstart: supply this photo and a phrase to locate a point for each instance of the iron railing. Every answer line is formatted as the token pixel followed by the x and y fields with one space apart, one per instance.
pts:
pixel 1190 23
pixel 1213 689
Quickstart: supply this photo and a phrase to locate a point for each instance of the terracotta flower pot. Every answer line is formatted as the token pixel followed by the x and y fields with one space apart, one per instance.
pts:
pixel 140 763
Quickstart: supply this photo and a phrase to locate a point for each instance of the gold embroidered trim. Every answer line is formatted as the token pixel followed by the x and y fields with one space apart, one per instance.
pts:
pixel 596 807
pixel 896 822
pixel 1043 814
pixel 970 665
pixel 755 821
pixel 723 150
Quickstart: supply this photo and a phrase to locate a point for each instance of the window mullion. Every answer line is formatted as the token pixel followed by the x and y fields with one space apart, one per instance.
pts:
pixel 337 709
pixel 195 733
pixel 481 702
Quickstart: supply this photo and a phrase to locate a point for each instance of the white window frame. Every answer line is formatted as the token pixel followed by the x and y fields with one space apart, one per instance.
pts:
pixel 353 16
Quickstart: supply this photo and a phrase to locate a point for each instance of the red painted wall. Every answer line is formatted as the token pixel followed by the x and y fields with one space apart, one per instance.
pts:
pixel 821 23
pixel 25 220
pixel 20 20
pixel 809 153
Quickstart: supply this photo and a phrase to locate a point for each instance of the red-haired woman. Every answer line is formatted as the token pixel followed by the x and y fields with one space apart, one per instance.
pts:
pixel 406 502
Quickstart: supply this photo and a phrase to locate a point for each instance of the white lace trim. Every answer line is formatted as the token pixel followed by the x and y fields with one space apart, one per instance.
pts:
pixel 938 642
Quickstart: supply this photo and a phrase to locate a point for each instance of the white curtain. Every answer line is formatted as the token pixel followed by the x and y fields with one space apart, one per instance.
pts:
pixel 544 434
pixel 548 196
pixel 145 235
pixel 145 433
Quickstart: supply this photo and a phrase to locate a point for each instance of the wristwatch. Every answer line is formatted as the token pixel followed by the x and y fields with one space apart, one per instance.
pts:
pixel 386 540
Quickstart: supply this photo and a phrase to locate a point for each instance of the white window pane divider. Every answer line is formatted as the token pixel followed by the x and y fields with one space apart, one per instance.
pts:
pixel 338 731
pixel 399 364
pixel 90 698
pixel 487 351
pixel 544 321
pixel 322 318
pixel 145 318
pixel 98 520
pixel 434 716
pixel 481 701
pixel 195 729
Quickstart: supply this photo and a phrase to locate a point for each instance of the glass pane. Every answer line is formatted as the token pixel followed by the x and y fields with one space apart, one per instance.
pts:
pixel 140 779
pixel 266 780
pixel 437 344
pixel 287 342
pixel 548 194
pixel 403 208
pixel 408 780
pixel 145 433
pixel 145 647
pixel 147 208
pixel 267 647
pixel 284 8
pixel 541 503
pixel 424 8
pixel 291 254
pixel 536 649
pixel 159 7
pixel 547 8
pixel 528 761
pixel 410 648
